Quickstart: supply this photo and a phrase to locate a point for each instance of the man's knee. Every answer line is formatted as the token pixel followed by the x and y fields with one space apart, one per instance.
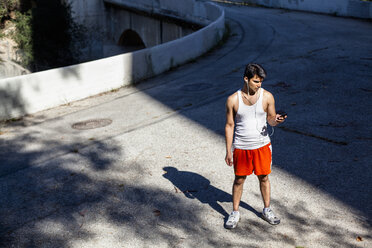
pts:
pixel 263 178
pixel 239 180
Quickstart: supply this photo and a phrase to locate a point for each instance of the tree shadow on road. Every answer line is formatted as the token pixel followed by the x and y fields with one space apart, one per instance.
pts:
pixel 73 198
pixel 58 193
pixel 48 182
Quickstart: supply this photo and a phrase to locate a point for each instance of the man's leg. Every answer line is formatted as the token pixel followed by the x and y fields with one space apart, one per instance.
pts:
pixel 265 189
pixel 267 213
pixel 237 191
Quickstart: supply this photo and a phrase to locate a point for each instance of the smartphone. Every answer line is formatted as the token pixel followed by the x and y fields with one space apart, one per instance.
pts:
pixel 281 113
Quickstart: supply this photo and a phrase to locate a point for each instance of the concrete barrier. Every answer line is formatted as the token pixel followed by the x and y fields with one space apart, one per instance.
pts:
pixel 346 8
pixel 42 90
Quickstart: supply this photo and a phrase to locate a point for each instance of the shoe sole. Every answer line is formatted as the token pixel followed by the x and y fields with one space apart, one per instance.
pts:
pixel 231 227
pixel 268 221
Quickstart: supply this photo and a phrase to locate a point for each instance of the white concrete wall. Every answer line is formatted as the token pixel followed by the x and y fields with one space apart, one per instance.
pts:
pixel 153 31
pixel 188 10
pixel 349 8
pixel 88 12
pixel 39 91
pixel 147 28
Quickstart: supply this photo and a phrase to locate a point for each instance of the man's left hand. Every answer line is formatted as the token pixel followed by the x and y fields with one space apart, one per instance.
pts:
pixel 280 119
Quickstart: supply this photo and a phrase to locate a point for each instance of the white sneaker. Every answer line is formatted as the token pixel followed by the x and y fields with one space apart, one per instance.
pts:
pixel 270 217
pixel 233 220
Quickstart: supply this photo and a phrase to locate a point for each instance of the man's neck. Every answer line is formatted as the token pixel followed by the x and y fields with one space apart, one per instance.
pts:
pixel 251 92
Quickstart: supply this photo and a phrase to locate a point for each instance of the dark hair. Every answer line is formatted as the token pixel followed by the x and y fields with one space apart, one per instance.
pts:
pixel 254 69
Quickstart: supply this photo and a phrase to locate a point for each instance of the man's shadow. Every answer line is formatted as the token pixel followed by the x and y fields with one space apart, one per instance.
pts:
pixel 195 186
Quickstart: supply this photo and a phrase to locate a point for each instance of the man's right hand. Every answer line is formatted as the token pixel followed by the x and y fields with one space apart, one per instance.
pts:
pixel 229 159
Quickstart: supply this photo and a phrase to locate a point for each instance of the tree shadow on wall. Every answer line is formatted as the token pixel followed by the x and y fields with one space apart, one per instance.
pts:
pixel 11 101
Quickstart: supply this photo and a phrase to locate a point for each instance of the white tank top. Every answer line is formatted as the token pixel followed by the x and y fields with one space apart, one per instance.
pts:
pixel 250 125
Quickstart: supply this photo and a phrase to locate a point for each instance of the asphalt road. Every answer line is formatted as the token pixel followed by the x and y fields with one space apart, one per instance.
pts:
pixel 155 175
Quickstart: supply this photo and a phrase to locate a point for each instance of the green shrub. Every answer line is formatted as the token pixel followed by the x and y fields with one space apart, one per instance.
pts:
pixel 3 12
pixel 47 35
pixel 23 36
pixel 2 35
pixel 6 6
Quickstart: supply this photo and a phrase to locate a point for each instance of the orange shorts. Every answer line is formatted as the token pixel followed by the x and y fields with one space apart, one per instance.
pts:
pixel 257 160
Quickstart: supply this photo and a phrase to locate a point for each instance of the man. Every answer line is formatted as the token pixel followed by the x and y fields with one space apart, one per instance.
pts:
pixel 249 110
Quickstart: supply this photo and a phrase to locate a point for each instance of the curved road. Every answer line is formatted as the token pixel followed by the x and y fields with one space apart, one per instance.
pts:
pixel 156 175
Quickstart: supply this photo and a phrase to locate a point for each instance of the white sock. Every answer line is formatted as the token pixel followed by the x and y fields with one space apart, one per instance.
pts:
pixel 266 209
pixel 236 213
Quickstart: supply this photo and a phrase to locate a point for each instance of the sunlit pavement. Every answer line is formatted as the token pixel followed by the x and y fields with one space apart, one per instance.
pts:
pixel 156 175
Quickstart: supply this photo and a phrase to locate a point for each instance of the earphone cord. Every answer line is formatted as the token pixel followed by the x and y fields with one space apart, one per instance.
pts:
pixel 255 116
pixel 272 131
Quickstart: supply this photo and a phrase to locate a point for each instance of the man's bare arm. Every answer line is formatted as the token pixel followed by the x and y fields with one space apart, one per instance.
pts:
pixel 272 117
pixel 229 129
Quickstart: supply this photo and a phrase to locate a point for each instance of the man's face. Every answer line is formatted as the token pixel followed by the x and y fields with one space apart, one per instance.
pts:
pixel 254 83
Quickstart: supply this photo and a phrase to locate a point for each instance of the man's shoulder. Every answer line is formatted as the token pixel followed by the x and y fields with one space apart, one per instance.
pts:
pixel 267 94
pixel 232 99
pixel 234 95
